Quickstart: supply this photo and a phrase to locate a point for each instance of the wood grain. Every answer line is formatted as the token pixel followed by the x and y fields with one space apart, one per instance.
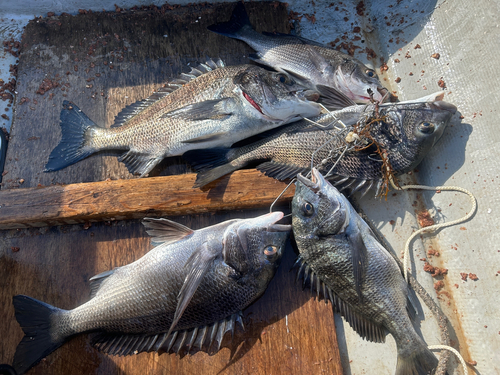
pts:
pixel 136 198
pixel 103 62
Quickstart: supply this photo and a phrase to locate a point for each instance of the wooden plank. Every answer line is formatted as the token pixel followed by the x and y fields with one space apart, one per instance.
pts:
pixel 286 331
pixel 125 55
pixel 136 198
pixel 103 62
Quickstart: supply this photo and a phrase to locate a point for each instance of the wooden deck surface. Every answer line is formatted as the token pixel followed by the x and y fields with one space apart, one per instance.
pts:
pixel 103 62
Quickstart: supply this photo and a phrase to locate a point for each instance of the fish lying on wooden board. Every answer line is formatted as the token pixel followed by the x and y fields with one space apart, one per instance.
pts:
pixel 182 296
pixel 212 106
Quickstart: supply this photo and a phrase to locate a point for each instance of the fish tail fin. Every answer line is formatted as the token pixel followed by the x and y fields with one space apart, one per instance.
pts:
pixel 211 164
pixel 72 147
pixel 35 318
pixel 420 362
pixel 237 27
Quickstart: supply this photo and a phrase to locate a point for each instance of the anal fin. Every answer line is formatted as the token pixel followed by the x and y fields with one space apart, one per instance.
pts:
pixel 140 163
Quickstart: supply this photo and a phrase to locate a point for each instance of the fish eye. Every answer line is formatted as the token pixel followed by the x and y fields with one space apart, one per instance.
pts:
pixel 370 73
pixel 308 209
pixel 426 127
pixel 270 250
pixel 285 79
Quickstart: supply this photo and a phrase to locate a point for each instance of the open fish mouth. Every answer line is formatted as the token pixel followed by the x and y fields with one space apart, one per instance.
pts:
pixel 443 106
pixel 269 221
pixel 314 184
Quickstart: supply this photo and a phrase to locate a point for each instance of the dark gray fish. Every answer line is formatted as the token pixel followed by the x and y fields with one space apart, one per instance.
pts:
pixel 183 295
pixel 406 131
pixel 340 78
pixel 212 106
pixel 343 259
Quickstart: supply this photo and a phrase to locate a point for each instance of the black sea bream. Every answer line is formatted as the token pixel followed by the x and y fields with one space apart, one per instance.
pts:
pixel 355 272
pixel 182 296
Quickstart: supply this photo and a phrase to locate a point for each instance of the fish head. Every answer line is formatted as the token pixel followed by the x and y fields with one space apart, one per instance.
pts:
pixel 275 96
pixel 412 129
pixel 254 247
pixel 359 82
pixel 318 208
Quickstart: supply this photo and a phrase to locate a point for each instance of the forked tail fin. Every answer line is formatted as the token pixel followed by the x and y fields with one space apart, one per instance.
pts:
pixel 35 318
pixel 420 362
pixel 71 148
pixel 238 27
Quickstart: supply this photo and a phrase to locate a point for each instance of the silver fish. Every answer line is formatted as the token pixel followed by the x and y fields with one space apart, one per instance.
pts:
pixel 212 106
pixel 342 257
pixel 340 78
pixel 183 295
pixel 406 131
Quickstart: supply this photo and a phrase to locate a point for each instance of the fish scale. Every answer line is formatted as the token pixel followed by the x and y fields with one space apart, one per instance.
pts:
pixel 364 282
pixel 182 296
pixel 339 78
pixel 284 152
pixel 212 106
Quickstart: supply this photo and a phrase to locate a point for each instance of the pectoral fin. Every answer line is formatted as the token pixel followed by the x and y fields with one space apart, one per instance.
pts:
pixel 332 98
pixel 208 138
pixel 359 255
pixel 206 110
pixel 198 264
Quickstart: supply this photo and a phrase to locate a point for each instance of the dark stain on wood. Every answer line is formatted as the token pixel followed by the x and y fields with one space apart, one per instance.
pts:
pixel 82 60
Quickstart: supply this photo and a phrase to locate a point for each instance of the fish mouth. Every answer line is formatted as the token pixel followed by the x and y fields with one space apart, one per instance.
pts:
pixel 443 106
pixel 269 221
pixel 316 182
pixel 373 91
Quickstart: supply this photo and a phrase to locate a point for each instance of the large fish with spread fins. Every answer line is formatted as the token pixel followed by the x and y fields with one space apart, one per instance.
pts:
pixel 332 73
pixel 341 257
pixel 212 106
pixel 401 133
pixel 182 296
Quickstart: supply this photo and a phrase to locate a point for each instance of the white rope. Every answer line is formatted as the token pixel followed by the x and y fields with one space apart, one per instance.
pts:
pixel 406 264
pixel 406 257
pixel 454 351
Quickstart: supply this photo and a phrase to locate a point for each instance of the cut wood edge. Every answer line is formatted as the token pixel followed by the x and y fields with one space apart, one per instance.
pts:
pixel 136 199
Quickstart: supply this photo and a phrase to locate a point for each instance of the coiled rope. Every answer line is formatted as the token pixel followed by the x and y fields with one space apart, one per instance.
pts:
pixel 407 265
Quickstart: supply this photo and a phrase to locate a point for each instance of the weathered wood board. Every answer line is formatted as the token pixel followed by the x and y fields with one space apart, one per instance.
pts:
pixel 103 62
pixel 136 198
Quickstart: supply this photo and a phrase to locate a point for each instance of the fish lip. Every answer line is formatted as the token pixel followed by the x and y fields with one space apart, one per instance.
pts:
pixel 315 183
pixel 271 218
pixel 444 106
pixel 279 228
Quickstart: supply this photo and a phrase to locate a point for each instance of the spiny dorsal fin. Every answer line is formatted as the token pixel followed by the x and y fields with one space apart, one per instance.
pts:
pixel 96 281
pixel 280 171
pixel 165 231
pixel 206 338
pixel 133 109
